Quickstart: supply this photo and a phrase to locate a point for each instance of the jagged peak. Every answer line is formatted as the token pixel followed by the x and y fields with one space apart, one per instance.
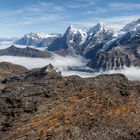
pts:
pixel 77 28
pixel 40 35
pixel 49 68
pixel 98 27
pixel 132 26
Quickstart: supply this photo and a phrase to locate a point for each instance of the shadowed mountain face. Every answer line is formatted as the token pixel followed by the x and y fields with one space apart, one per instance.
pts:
pixel 25 52
pixel 41 104
pixel 116 58
pixel 72 40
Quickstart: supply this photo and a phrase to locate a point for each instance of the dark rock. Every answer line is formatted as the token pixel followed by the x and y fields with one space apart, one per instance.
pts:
pixel 116 58
pixel 26 52
pixel 45 105
pixel 8 70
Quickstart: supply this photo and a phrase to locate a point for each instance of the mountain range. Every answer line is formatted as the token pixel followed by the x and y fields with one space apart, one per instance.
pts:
pixel 105 47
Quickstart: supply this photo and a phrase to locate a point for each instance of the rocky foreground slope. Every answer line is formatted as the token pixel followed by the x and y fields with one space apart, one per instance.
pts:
pixel 8 69
pixel 42 105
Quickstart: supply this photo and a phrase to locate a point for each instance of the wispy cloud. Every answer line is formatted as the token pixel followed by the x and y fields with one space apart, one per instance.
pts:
pixel 124 5
pixel 44 6
pixel 96 10
pixel 81 4
pixel 34 20
pixel 10 13
pixel 34 13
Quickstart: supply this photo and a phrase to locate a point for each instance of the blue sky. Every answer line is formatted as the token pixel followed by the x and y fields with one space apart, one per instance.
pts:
pixel 18 17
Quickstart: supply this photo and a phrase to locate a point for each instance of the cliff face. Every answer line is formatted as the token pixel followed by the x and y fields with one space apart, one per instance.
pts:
pixel 41 104
pixel 116 58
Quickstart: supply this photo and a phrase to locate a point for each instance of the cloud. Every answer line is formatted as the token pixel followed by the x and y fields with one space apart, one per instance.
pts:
pixel 62 64
pixel 133 73
pixel 50 7
pixel 81 4
pixel 10 13
pixel 124 5
pixel 34 20
pixel 39 12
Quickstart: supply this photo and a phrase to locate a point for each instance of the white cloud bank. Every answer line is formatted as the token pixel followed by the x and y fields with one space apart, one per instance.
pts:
pixel 132 73
pixel 62 63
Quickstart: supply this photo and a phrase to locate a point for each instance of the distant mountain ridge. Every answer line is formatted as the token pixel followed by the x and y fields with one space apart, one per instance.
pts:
pixel 25 52
pixel 37 39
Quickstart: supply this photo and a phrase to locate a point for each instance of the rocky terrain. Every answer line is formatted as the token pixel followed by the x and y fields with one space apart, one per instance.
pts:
pixel 25 52
pixel 40 104
pixel 8 69
pixel 116 58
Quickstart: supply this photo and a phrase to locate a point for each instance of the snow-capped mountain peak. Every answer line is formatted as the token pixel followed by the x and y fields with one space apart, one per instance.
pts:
pixel 37 39
pixel 76 29
pixel 40 35
pixel 101 26
pixel 97 28
pixel 132 26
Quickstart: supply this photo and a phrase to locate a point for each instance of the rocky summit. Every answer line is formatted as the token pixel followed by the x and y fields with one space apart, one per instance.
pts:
pixel 40 104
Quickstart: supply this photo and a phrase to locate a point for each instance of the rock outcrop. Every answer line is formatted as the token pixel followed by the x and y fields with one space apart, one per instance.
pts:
pixel 8 70
pixel 116 58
